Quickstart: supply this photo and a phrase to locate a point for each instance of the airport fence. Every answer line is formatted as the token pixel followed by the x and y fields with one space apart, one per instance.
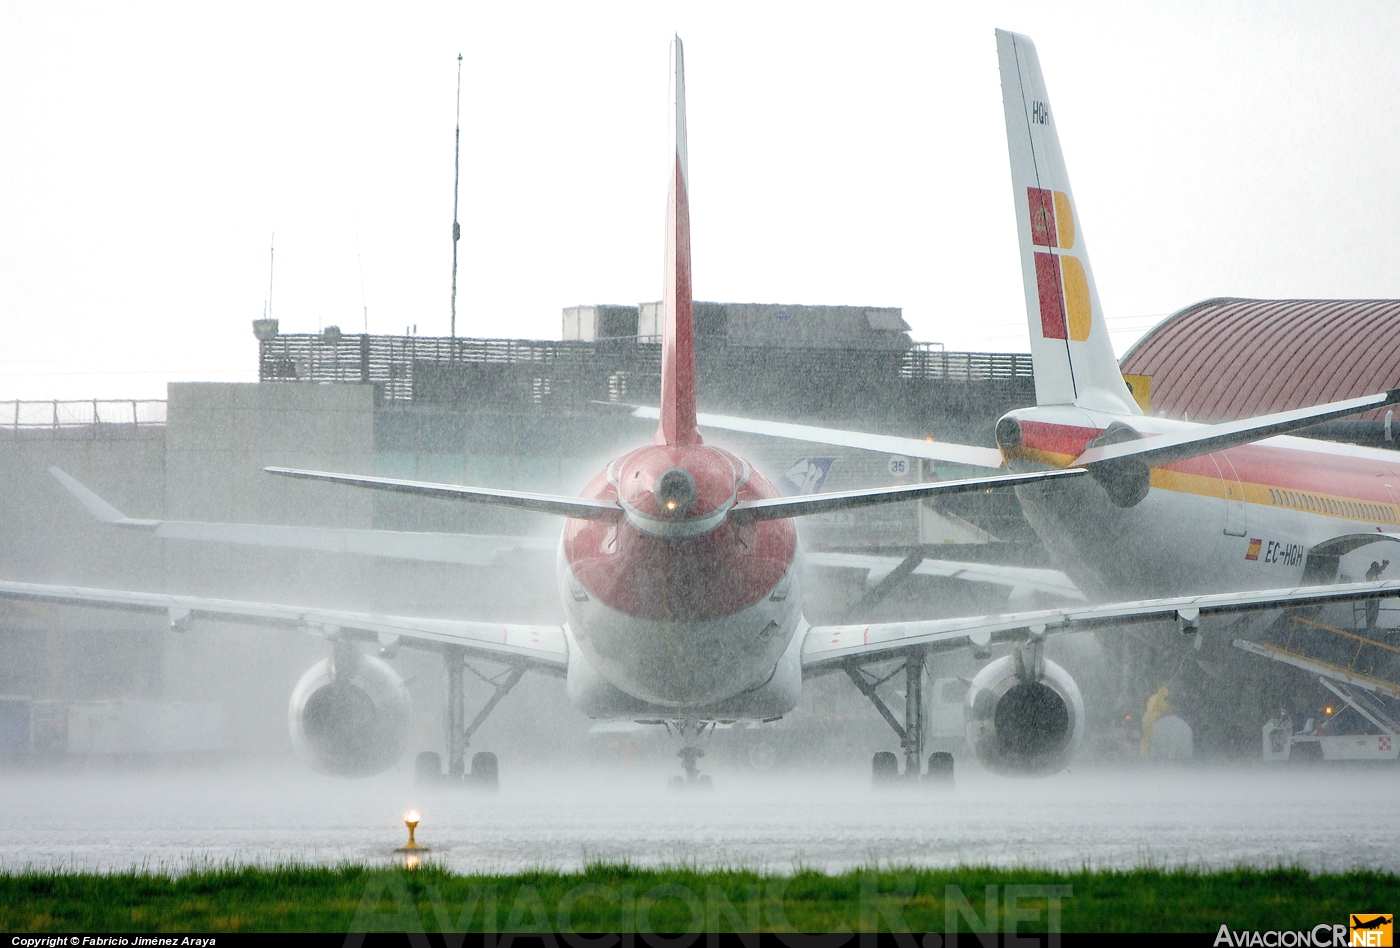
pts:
pixel 20 416
pixel 392 362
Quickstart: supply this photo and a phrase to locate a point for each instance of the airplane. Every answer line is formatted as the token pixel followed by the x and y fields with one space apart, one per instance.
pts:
pixel 1376 921
pixel 679 570
pixel 1170 506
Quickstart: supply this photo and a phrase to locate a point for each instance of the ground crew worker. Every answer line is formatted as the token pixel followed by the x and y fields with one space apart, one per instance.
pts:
pixel 1157 707
pixel 1373 606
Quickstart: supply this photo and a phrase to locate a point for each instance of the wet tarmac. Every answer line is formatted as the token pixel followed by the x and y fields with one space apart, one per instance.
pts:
pixel 1320 818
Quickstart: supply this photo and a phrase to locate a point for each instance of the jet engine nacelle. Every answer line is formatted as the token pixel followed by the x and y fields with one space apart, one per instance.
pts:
pixel 1024 724
pixel 350 721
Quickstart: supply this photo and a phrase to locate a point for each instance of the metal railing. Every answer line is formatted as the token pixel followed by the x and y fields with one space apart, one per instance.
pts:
pixel 21 415
pixel 389 360
pixel 930 360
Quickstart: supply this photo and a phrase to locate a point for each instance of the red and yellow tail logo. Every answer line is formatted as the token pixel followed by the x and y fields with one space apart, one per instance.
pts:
pixel 1253 552
pixel 1061 281
pixel 1372 930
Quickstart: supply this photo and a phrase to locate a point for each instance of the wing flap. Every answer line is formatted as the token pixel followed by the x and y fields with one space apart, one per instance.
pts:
pixel 829 646
pixel 542 646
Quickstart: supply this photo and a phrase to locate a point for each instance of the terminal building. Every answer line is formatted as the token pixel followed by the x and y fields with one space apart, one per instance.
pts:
pixel 538 415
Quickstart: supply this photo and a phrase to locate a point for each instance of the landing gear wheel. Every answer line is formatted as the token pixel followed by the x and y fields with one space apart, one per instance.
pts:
pixel 704 782
pixel 485 771
pixel 884 768
pixel 940 768
pixel 427 769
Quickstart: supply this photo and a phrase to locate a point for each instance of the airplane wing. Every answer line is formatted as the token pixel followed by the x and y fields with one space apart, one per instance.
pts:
pixel 542 647
pixel 886 444
pixel 826 648
pixel 467 549
pixel 1163 449
pixel 1024 577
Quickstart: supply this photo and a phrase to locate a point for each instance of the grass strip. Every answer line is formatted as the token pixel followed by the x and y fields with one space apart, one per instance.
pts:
pixel 613 897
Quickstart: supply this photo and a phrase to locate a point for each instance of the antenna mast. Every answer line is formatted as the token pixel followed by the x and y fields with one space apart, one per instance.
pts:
pixel 361 262
pixel 456 178
pixel 271 252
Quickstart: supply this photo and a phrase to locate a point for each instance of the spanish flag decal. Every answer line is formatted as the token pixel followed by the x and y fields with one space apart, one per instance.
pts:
pixel 1253 552
pixel 1060 279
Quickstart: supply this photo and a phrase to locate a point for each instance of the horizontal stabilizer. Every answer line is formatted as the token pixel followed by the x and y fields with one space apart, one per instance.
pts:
pixel 885 444
pixel 776 508
pixel 579 508
pixel 1163 449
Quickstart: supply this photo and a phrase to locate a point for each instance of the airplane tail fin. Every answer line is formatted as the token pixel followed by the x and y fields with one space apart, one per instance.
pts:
pixel 1074 361
pixel 678 332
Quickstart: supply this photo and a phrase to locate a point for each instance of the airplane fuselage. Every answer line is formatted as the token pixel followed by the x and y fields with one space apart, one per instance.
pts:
pixel 680 609
pixel 1237 519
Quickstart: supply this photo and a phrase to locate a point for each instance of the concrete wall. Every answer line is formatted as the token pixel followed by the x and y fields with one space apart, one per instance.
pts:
pixel 45 536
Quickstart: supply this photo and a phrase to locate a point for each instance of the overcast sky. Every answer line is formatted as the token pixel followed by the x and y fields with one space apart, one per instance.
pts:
pixel 844 153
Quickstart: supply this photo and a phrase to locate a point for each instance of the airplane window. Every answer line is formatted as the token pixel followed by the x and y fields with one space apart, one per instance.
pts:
pixel 1271 496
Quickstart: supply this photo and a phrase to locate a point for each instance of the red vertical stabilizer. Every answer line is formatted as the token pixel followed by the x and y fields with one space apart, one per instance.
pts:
pixel 678 331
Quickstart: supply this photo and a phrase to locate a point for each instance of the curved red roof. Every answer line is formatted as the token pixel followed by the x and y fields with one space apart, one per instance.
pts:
pixel 1223 359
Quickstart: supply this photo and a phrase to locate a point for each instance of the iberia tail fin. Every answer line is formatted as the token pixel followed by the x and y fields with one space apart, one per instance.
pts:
pixel 678 332
pixel 1074 361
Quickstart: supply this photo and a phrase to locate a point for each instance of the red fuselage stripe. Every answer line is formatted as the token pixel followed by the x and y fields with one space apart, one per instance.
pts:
pixel 1360 479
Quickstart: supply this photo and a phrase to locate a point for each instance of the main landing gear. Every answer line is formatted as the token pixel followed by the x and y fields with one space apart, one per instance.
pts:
pixel 484 773
pixel 884 767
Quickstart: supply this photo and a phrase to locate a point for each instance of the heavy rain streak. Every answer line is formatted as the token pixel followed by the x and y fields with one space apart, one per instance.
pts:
pixel 683 581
